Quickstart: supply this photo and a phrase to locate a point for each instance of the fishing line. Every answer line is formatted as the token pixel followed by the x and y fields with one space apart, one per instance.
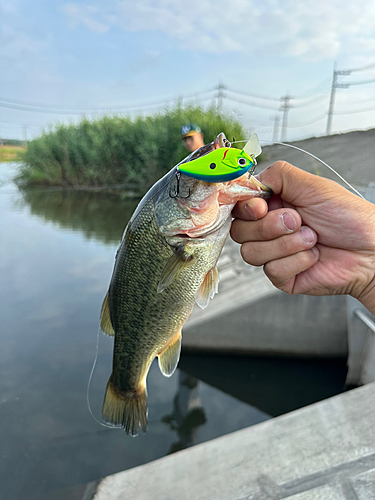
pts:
pixel 321 161
pixel 89 384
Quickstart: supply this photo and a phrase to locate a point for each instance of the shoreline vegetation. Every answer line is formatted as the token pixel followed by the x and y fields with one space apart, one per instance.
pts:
pixel 11 152
pixel 117 152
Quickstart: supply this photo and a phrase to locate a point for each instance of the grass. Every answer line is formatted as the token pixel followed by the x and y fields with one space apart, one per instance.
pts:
pixel 11 153
pixel 118 151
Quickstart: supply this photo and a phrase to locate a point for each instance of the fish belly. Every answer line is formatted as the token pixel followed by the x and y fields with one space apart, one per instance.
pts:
pixel 146 322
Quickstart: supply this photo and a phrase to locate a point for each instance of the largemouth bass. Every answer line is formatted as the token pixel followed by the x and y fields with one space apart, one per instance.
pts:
pixel 165 264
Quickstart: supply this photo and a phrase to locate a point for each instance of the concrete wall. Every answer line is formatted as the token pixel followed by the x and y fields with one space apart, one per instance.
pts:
pixel 277 324
pixel 325 451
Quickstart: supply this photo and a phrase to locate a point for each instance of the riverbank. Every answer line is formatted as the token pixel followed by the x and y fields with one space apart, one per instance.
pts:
pixel 11 153
pixel 117 150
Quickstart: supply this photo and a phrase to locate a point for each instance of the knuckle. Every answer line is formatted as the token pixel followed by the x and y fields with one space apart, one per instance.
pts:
pixel 285 245
pixel 272 270
pixel 235 232
pixel 278 164
pixel 264 230
pixel 248 254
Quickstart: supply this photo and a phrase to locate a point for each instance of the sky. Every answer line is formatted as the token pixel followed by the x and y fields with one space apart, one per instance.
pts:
pixel 62 60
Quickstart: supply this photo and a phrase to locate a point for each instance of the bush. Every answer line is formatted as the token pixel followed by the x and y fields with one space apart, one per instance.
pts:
pixel 118 150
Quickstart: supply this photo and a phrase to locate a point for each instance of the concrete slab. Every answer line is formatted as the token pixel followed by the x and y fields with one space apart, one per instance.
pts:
pixel 314 448
pixel 323 493
pixel 364 485
pixel 241 318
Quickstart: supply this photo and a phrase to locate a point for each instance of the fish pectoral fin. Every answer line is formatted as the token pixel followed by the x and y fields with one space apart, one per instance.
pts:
pixel 179 261
pixel 168 359
pixel 208 288
pixel 105 318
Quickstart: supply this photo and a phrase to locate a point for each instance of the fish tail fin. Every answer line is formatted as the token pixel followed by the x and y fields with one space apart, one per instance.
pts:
pixel 126 408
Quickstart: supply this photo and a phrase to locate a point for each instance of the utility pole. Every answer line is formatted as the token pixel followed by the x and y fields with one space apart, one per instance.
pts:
pixel 276 126
pixel 25 135
pixel 220 95
pixel 285 107
pixel 335 86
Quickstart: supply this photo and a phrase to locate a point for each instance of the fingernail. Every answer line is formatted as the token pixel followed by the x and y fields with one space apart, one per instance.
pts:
pixel 251 212
pixel 288 221
pixel 307 234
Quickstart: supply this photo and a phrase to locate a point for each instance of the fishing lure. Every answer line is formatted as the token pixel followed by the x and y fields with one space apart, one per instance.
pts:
pixel 223 164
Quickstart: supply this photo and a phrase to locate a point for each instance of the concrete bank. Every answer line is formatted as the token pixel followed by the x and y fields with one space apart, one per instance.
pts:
pixel 325 451
pixel 249 316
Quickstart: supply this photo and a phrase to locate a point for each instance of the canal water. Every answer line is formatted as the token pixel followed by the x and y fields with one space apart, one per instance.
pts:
pixel 57 252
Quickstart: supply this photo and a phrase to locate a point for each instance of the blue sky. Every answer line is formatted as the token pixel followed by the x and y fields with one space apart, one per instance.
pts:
pixel 112 55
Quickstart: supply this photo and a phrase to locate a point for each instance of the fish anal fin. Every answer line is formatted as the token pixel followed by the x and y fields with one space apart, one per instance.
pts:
pixel 179 261
pixel 105 318
pixel 208 288
pixel 127 409
pixel 168 359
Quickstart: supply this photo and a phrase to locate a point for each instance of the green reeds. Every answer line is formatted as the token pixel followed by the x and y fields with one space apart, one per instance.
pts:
pixel 114 151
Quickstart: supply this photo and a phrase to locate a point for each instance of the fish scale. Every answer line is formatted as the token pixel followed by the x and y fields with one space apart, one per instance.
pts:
pixel 160 273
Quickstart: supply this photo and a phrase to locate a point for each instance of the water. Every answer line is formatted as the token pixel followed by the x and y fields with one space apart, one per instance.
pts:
pixel 56 257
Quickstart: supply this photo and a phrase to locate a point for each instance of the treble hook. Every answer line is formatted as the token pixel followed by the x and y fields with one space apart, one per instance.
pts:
pixel 176 192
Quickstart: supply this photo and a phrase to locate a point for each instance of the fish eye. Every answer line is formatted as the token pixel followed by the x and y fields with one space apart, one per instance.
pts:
pixel 241 162
pixel 213 165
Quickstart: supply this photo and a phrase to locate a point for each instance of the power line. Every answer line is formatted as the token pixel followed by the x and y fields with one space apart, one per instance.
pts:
pixel 364 68
pixel 310 122
pixel 4 102
pixel 19 125
pixel 311 101
pixel 361 83
pixel 347 112
pixel 257 96
pixel 315 90
pixel 254 104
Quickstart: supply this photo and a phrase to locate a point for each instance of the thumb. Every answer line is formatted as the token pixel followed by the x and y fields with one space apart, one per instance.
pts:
pixel 293 185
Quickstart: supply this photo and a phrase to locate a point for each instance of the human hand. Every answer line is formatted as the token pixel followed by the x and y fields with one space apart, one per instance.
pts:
pixel 313 237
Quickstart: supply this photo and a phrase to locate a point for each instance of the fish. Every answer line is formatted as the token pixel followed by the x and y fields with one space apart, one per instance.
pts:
pixel 165 264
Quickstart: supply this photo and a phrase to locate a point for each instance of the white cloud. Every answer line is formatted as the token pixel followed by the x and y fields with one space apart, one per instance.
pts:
pixel 308 29
pixel 13 44
pixel 84 14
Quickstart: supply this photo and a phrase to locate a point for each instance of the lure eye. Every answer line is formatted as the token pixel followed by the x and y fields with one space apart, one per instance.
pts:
pixel 241 162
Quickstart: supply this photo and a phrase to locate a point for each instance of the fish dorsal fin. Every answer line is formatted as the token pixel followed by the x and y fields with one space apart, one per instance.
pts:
pixel 208 288
pixel 105 318
pixel 252 147
pixel 173 268
pixel 168 359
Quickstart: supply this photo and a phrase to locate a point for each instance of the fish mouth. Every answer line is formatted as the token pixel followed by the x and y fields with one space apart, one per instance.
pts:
pixel 265 190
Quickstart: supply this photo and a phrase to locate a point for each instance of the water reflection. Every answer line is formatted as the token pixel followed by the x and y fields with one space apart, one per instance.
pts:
pixel 100 215
pixel 56 257
pixel 187 415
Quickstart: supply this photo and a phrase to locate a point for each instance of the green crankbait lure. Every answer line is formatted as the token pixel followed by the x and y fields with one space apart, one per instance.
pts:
pixel 224 163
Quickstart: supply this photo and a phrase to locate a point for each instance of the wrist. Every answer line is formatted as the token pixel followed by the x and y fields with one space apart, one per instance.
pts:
pixel 367 296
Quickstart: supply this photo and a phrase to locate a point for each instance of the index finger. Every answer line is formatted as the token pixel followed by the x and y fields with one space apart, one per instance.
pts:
pixel 252 209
